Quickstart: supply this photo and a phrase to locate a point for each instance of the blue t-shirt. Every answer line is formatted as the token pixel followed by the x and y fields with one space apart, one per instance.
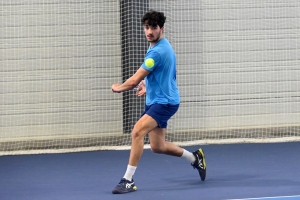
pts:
pixel 161 84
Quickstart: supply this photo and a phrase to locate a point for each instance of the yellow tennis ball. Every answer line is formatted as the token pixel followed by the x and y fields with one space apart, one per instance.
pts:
pixel 149 62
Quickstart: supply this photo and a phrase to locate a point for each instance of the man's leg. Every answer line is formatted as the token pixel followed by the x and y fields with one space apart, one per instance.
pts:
pixel 159 145
pixel 143 126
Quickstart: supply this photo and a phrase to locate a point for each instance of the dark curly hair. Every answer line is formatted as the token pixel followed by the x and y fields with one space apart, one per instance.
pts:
pixel 154 18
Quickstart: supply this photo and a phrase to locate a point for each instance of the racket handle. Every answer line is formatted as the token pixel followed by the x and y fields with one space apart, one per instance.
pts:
pixel 136 88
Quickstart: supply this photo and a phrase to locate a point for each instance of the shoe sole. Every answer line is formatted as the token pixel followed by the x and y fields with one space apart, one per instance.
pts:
pixel 124 191
pixel 203 157
pixel 118 192
pixel 204 164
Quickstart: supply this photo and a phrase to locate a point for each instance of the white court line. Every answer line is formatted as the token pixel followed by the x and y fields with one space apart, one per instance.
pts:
pixel 279 197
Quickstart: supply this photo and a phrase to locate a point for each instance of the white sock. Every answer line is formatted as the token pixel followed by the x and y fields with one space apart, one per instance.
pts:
pixel 129 172
pixel 189 156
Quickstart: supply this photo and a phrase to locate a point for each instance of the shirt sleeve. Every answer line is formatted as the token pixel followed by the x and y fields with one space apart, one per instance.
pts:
pixel 152 60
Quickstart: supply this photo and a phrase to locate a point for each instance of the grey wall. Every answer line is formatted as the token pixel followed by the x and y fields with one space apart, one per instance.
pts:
pixel 238 65
pixel 58 60
pixel 238 62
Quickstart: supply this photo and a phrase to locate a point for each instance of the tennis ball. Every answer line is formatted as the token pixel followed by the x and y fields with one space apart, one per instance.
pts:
pixel 149 62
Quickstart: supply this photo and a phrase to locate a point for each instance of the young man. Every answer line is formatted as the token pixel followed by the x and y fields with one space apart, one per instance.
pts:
pixel 162 102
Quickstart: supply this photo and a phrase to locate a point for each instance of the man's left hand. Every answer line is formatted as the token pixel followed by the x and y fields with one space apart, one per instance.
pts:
pixel 114 88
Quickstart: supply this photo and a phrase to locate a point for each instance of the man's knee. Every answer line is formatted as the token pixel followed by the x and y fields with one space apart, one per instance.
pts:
pixel 156 149
pixel 143 126
pixel 136 134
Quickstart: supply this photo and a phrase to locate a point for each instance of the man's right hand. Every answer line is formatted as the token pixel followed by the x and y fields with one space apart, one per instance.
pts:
pixel 141 89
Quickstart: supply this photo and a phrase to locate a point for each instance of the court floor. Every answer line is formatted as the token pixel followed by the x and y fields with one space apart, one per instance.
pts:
pixel 234 171
pixel 275 198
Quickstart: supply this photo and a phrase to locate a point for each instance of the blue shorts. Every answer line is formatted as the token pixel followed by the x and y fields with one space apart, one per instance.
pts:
pixel 161 113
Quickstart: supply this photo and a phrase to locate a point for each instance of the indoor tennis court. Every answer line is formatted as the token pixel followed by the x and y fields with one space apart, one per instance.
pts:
pixel 65 136
pixel 234 171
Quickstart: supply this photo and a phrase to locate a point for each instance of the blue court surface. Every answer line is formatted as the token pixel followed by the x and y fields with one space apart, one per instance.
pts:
pixel 275 198
pixel 234 171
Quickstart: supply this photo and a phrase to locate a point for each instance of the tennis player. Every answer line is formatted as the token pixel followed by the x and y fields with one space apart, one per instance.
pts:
pixel 157 79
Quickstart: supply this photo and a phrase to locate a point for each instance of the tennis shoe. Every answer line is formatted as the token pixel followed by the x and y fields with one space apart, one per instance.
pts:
pixel 200 163
pixel 124 186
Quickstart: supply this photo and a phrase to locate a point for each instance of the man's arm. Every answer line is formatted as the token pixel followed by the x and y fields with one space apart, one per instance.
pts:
pixel 133 81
